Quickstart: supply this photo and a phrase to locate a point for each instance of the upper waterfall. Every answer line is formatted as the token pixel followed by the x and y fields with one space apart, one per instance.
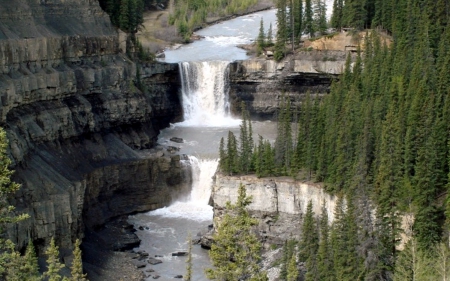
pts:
pixel 205 94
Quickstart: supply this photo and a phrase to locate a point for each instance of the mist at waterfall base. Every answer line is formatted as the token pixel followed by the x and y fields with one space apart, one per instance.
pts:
pixel 207 120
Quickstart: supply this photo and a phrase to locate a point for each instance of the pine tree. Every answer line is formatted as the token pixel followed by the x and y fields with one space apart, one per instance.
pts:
pixel 292 271
pixel 30 267
pixel 309 239
pixel 54 266
pixel 260 41
pixel 336 16
pixel 235 253
pixel 309 18
pixel 10 259
pixel 281 40
pixel 124 21
pixel 269 38
pixel 298 20
pixel 77 264
pixel 324 256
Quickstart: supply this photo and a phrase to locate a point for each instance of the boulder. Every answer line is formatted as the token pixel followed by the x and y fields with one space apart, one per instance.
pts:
pixel 177 140
pixel 154 261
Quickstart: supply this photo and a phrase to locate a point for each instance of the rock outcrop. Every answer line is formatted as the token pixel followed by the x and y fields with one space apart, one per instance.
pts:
pixel 278 203
pixel 261 83
pixel 80 130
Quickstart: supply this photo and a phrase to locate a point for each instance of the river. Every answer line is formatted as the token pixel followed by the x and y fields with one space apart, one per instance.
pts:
pixel 204 76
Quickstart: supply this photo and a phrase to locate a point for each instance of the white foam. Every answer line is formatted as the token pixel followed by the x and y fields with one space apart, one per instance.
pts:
pixel 196 207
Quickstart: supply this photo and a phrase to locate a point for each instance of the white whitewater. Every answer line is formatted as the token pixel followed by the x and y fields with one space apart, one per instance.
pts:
pixel 196 206
pixel 205 94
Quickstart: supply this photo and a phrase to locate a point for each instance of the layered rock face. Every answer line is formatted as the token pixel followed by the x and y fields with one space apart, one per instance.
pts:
pixel 80 131
pixel 261 83
pixel 278 203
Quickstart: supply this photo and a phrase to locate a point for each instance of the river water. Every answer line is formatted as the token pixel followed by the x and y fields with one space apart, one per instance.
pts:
pixel 204 76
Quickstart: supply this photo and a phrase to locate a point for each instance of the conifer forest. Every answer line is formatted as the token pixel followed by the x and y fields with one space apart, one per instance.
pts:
pixel 380 140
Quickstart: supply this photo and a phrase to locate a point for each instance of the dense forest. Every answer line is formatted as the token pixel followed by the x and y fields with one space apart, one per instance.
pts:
pixel 381 138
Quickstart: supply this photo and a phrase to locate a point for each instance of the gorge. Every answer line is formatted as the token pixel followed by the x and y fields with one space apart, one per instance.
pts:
pixel 83 137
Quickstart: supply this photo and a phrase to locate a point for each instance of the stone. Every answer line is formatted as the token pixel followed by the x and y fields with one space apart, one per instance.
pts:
pixel 177 140
pixel 179 254
pixel 156 276
pixel 154 261
pixel 138 264
pixel 178 276
pixel 173 149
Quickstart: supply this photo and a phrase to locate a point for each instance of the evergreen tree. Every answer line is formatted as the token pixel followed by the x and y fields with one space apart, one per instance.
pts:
pixel 292 271
pixel 309 241
pixel 269 38
pixel 309 18
pixel 337 15
pixel 320 17
pixel 123 18
pixel 260 41
pixel 324 256
pixel 298 19
pixel 77 264
pixel 54 266
pixel 10 259
pixel 281 40
pixel 235 253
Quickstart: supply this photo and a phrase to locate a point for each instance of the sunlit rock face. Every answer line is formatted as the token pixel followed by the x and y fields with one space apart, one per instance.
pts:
pixel 261 83
pixel 278 203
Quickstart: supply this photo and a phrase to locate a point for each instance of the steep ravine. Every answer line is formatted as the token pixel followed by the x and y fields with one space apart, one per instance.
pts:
pixel 81 134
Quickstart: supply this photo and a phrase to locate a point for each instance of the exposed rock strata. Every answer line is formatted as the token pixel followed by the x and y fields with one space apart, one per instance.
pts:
pixel 261 83
pixel 278 203
pixel 79 129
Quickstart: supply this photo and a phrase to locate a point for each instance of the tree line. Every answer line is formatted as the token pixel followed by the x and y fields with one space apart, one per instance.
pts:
pixel 296 18
pixel 13 265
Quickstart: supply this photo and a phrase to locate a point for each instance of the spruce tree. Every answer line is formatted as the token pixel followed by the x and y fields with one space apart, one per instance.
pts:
pixel 269 38
pixel 77 264
pixel 235 253
pixel 260 41
pixel 281 39
pixel 309 19
pixel 324 256
pixel 54 266
pixel 309 241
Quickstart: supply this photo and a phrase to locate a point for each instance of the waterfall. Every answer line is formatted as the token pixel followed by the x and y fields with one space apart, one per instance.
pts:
pixel 204 90
pixel 196 206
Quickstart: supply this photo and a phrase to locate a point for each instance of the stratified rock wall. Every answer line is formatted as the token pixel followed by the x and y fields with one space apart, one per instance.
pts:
pixel 80 130
pixel 261 83
pixel 278 203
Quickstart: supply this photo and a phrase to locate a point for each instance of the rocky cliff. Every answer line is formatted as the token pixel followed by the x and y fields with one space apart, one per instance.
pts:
pixel 278 203
pixel 261 83
pixel 80 130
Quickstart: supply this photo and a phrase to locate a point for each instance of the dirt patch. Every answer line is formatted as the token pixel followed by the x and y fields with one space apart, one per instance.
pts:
pixel 343 41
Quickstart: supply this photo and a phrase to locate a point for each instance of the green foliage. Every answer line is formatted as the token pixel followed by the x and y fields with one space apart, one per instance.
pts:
pixel 235 253
pixel 126 14
pixel 261 40
pixel 77 264
pixel 54 266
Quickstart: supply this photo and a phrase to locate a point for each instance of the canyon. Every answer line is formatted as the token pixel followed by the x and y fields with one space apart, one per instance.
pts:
pixel 82 135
